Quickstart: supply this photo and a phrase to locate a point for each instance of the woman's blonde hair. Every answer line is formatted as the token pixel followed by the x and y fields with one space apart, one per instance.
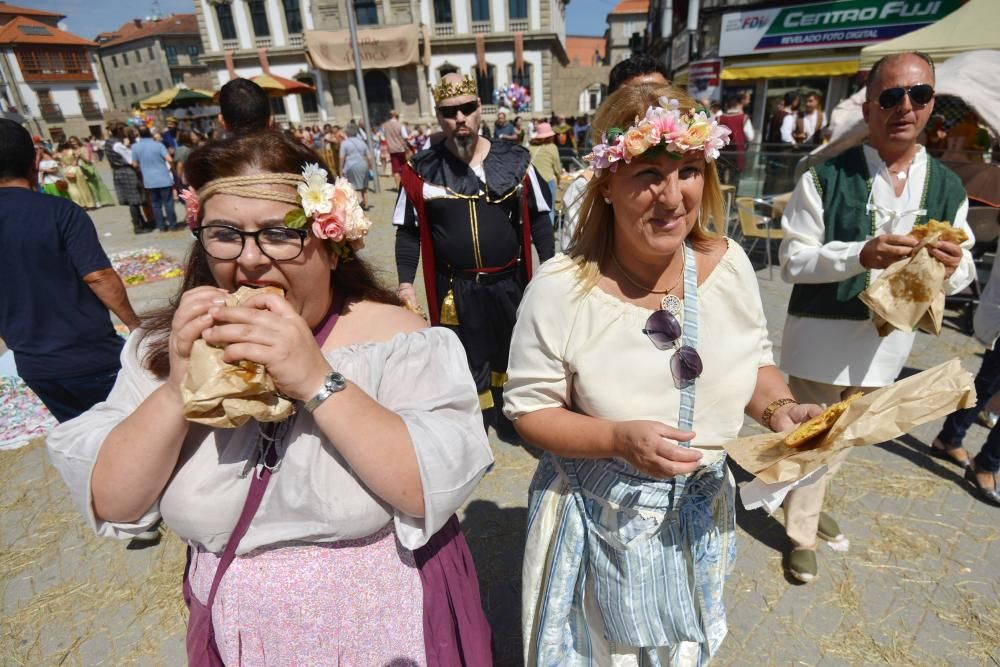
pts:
pixel 594 234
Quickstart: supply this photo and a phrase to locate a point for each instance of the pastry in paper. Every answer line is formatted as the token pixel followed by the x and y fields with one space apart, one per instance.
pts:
pixel 878 416
pixel 901 297
pixel 943 229
pixel 819 424
pixel 224 395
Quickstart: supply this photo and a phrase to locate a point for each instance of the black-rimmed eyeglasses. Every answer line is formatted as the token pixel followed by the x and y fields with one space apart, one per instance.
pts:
pixel 920 94
pixel 224 242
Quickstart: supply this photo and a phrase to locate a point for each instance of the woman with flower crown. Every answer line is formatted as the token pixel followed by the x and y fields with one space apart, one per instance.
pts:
pixel 335 529
pixel 634 357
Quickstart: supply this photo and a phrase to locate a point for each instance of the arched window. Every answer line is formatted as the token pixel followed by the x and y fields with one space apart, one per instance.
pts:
pixel 522 78
pixel 486 83
pixel 309 102
pixel 447 68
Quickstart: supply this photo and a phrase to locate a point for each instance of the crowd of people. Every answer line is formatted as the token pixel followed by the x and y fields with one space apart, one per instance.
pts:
pixel 348 506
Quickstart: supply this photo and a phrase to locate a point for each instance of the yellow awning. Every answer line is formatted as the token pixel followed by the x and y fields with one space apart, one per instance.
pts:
pixel 681 78
pixel 791 70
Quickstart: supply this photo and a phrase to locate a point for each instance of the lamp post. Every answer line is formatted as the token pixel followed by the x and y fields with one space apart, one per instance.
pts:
pixel 360 82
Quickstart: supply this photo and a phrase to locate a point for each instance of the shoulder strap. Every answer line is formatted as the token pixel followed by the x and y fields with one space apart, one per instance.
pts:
pixel 414 187
pixel 257 486
pixel 526 224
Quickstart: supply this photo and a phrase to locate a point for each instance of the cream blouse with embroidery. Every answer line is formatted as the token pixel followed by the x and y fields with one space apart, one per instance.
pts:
pixel 587 352
pixel 314 496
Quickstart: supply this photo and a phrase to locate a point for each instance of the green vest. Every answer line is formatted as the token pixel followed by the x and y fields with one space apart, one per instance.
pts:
pixel 844 185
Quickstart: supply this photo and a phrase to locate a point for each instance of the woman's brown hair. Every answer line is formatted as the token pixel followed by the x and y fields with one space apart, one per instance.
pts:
pixel 254 153
pixel 593 237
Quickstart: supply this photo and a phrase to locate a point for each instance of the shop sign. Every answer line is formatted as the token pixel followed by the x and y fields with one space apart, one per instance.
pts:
pixel 827 25
pixel 704 81
pixel 680 50
pixel 395 46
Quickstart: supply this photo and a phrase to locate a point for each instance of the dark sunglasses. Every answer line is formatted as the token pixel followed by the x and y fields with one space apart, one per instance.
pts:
pixel 921 94
pixel 665 331
pixel 467 109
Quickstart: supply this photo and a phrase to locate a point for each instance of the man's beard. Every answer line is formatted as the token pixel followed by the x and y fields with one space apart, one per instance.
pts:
pixel 465 145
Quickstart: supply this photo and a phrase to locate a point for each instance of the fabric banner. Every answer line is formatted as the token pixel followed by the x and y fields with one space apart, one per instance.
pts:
pixel 481 54
pixel 380 48
pixel 518 53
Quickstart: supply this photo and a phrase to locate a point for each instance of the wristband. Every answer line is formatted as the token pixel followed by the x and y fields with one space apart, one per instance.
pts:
pixel 773 407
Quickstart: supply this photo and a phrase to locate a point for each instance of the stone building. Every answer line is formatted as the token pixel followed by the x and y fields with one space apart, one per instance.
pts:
pixel 580 86
pixel 141 58
pixel 406 46
pixel 47 75
pixel 626 29
pixel 244 38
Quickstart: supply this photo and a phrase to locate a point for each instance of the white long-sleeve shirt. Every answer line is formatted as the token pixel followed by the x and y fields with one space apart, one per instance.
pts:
pixel 850 352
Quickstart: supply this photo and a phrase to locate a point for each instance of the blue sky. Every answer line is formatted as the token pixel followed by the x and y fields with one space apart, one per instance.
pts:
pixel 86 18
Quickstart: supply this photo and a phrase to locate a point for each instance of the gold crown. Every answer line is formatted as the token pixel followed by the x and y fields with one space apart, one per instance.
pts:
pixel 447 89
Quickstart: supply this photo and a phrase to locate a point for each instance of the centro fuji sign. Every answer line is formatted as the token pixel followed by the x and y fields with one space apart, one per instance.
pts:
pixel 828 24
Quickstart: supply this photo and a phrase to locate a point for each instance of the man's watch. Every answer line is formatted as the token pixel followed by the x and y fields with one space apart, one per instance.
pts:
pixel 333 383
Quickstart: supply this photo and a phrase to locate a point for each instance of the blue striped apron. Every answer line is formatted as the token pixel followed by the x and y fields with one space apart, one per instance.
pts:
pixel 652 547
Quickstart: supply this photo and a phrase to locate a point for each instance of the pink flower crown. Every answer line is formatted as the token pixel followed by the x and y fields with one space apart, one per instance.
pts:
pixel 664 127
pixel 333 209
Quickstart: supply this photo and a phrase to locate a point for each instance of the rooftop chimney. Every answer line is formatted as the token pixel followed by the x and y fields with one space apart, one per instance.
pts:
pixel 137 22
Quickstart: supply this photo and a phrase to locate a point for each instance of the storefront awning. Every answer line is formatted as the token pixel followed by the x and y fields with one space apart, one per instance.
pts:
pixel 790 70
pixel 681 78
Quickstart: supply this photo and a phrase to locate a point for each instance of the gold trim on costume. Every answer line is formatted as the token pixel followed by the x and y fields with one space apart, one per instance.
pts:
pixel 474 223
pixel 498 380
pixel 486 400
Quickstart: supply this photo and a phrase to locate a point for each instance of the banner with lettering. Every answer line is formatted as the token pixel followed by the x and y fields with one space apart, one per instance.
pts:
pixel 827 24
pixel 379 47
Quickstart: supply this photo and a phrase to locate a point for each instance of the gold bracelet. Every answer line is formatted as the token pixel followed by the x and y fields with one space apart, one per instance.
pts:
pixel 773 407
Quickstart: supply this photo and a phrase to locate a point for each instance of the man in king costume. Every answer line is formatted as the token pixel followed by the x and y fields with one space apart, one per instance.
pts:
pixel 848 220
pixel 472 208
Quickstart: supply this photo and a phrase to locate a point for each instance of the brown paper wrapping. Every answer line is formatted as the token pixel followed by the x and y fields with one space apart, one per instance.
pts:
pixel 217 393
pixel 882 415
pixel 909 294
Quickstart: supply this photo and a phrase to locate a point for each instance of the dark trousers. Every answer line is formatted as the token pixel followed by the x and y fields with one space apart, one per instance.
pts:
pixel 957 424
pixel 135 210
pixel 162 200
pixel 486 315
pixel 67 398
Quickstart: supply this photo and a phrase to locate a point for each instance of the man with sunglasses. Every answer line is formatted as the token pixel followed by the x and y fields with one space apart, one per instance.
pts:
pixel 849 219
pixel 472 207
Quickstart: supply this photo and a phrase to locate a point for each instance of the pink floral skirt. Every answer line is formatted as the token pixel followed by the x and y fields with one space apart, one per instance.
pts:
pixel 355 602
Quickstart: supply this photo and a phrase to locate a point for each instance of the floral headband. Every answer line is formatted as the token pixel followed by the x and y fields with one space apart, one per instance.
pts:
pixel 664 127
pixel 332 208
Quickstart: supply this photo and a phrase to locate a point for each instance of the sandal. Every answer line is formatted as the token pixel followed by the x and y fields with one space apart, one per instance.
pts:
pixel 942 451
pixel 828 529
pixel 802 565
pixel 991 496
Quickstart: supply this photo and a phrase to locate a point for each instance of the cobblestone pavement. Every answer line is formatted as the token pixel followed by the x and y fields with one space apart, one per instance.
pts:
pixel 919 586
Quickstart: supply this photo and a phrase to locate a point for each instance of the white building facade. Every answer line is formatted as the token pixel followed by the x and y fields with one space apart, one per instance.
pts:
pixel 496 41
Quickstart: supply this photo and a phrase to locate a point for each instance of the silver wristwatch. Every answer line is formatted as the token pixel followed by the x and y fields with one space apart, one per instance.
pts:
pixel 334 382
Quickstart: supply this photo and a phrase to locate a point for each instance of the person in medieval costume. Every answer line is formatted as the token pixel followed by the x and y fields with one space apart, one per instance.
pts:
pixel 128 187
pixel 472 208
pixel 848 220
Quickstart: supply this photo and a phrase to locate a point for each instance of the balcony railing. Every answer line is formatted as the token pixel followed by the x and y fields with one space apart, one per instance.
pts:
pixel 172 60
pixel 482 26
pixel 310 117
pixel 519 25
pixel 51 113
pixel 91 110
pixel 230 44
pixel 444 30
pixel 262 42
pixel 296 39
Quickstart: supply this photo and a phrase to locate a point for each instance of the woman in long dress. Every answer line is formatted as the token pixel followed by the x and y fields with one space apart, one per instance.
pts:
pixel 635 356
pixel 354 555
pixel 356 162
pixel 85 161
pixel 79 189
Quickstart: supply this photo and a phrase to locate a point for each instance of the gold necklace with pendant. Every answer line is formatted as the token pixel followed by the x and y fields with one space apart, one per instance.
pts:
pixel 670 302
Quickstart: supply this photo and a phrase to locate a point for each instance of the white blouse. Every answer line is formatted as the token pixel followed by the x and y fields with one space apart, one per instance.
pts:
pixel 586 351
pixel 314 496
